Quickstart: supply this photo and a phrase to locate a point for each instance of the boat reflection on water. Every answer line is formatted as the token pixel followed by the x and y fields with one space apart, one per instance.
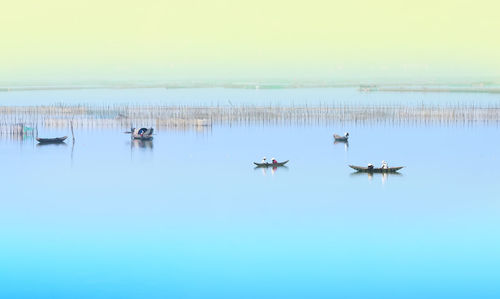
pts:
pixel 273 169
pixel 370 175
pixel 63 144
pixel 345 143
pixel 143 144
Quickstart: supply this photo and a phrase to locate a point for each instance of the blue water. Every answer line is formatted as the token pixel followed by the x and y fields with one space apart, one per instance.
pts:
pixel 228 97
pixel 188 216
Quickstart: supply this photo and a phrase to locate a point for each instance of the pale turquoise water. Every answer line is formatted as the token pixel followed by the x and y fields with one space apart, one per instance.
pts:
pixel 229 96
pixel 188 216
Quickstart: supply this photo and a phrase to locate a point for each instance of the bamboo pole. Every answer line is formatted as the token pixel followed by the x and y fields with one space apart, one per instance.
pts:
pixel 72 133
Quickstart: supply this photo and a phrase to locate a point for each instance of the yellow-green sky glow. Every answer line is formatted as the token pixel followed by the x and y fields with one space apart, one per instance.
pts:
pixel 222 39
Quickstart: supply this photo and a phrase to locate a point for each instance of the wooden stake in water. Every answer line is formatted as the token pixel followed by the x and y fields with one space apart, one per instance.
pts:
pixel 72 133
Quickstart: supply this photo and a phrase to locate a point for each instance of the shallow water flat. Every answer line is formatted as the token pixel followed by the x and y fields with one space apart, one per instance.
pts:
pixel 188 216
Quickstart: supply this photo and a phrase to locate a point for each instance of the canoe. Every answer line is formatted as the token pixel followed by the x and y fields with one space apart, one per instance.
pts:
pixel 144 137
pixel 51 140
pixel 340 138
pixel 142 133
pixel 346 142
pixel 271 164
pixel 376 170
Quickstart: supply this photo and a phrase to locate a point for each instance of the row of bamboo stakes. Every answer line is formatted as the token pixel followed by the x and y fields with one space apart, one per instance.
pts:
pixel 18 120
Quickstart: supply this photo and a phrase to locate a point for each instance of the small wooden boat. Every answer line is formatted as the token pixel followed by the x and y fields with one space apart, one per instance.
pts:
pixel 376 170
pixel 142 133
pixel 51 140
pixel 341 138
pixel 145 138
pixel 271 164
pixel 346 142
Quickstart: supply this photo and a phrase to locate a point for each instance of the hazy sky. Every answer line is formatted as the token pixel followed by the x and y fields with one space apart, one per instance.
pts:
pixel 227 39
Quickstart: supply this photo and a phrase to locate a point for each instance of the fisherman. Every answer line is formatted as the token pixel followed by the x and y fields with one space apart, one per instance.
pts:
pixel 370 166
pixel 263 160
pixel 274 161
pixel 346 135
pixel 384 165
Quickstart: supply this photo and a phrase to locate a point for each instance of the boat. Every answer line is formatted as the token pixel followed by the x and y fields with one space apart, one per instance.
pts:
pixel 142 133
pixel 346 142
pixel 375 170
pixel 52 140
pixel 341 138
pixel 271 164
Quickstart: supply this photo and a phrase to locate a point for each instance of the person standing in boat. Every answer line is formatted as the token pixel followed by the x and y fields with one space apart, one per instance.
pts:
pixel 384 165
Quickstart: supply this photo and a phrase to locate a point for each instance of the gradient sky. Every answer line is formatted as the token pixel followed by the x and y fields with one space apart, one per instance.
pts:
pixel 223 39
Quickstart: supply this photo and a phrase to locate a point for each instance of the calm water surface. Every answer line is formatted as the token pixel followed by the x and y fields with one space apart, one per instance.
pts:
pixel 234 96
pixel 188 216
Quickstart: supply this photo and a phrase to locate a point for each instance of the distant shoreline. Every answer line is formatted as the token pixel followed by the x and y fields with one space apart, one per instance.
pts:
pixel 403 89
pixel 430 89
